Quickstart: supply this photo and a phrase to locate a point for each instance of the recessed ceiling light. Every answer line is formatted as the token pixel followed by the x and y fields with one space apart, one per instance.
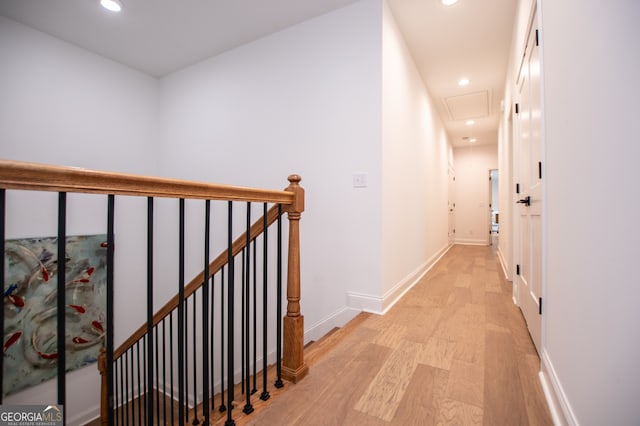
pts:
pixel 463 82
pixel 449 2
pixel 470 122
pixel 473 140
pixel 112 5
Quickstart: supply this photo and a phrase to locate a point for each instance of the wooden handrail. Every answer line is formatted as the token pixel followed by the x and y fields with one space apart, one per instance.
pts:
pixel 43 177
pixel 214 267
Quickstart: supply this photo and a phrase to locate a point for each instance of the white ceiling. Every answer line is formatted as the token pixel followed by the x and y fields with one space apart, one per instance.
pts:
pixel 469 39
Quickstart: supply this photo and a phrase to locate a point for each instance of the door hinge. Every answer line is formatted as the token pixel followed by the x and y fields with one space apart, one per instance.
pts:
pixel 517 108
pixel 537 41
pixel 539 169
pixel 517 269
pixel 540 306
pixel 517 188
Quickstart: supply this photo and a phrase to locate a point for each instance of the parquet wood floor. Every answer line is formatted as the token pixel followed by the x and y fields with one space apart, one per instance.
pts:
pixel 454 351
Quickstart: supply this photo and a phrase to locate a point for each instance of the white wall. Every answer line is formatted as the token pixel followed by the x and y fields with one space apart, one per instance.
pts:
pixel 473 192
pixel 305 100
pixel 590 71
pixel 63 105
pixel 415 153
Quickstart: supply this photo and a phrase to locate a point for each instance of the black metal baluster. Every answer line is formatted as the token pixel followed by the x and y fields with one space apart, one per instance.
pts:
pixel 186 359
pixel 242 323
pixel 3 194
pixel 230 392
pixel 222 406
pixel 111 200
pixel 133 393
pixel 116 395
pixel 140 384
pixel 212 383
pixel 181 321
pixel 255 317
pixel 145 351
pixel 205 317
pixel 248 408
pixel 195 360
pixel 132 372
pixel 122 393
pixel 150 345
pixel 265 226
pixel 279 382
pixel 61 317
pixel 164 371
pixel 157 365
pixel 126 387
pixel 171 367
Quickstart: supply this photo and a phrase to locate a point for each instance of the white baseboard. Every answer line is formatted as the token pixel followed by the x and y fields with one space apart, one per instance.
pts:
pixel 559 406
pixel 85 417
pixel 503 264
pixel 336 319
pixel 471 242
pixel 380 305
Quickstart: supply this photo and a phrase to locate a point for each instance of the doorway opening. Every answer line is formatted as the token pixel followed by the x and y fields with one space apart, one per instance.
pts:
pixel 494 205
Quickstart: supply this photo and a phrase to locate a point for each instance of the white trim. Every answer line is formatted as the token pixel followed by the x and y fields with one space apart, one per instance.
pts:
pixel 85 417
pixel 336 319
pixel 466 242
pixel 559 406
pixel 503 264
pixel 364 302
pixel 380 305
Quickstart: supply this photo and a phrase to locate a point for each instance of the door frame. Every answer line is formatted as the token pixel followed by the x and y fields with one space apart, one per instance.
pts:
pixel 534 21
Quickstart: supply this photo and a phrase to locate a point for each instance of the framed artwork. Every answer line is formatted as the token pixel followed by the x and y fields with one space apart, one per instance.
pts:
pixel 30 307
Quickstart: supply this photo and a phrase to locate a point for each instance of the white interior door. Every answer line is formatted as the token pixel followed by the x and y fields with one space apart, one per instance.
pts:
pixel 528 250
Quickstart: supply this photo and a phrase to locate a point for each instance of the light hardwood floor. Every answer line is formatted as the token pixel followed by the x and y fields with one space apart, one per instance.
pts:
pixel 454 351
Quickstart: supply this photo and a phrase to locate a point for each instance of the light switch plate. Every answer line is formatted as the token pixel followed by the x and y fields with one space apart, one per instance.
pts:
pixel 359 180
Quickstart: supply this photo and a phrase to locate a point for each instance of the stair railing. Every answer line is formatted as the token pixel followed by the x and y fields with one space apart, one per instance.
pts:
pixel 121 400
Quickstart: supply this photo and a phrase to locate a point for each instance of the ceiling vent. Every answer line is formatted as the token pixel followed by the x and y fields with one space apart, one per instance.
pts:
pixel 472 105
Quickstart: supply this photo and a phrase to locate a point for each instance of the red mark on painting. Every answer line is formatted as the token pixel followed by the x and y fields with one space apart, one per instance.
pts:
pixel 79 340
pixel 78 308
pixel 53 355
pixel 12 340
pixel 98 326
pixel 45 274
pixel 104 244
pixel 90 270
pixel 16 300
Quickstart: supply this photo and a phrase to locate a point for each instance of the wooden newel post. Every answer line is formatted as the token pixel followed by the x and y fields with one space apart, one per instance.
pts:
pixel 104 394
pixel 293 365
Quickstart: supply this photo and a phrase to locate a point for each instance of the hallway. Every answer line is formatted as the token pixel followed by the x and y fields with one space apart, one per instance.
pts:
pixel 454 351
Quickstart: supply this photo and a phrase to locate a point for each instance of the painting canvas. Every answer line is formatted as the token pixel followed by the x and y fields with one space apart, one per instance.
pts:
pixel 30 307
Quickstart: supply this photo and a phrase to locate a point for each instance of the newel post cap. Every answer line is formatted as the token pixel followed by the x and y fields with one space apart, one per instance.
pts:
pixel 298 191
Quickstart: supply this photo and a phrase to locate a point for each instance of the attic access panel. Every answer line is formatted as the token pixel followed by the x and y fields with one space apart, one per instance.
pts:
pixel 471 105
